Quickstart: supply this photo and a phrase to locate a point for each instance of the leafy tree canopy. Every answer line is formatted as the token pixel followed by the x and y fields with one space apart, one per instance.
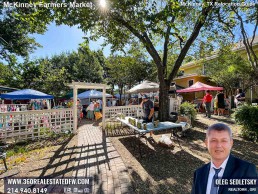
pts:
pixel 163 27
pixel 243 19
pixel 51 74
pixel 15 39
pixel 229 69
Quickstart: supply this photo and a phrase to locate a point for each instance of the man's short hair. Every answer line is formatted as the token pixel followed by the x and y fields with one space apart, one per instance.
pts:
pixel 219 127
pixel 208 91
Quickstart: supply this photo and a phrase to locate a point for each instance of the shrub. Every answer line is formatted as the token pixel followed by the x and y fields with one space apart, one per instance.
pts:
pixel 246 115
pixel 187 108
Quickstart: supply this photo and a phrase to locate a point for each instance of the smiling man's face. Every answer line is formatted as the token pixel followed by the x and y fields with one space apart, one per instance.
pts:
pixel 219 145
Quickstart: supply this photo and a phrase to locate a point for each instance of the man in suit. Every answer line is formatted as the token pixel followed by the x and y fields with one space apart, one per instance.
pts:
pixel 219 142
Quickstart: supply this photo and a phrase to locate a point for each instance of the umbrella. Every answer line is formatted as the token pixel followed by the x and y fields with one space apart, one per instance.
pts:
pixel 199 86
pixel 145 86
pixel 92 94
pixel 26 94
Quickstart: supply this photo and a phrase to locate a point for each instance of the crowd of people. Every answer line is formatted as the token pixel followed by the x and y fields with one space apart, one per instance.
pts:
pixel 93 111
pixel 221 102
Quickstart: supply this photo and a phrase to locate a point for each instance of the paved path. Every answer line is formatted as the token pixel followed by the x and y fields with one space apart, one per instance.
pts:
pixel 99 159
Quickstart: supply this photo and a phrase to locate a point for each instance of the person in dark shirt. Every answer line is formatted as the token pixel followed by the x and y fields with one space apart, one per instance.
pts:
pixel 148 109
pixel 221 103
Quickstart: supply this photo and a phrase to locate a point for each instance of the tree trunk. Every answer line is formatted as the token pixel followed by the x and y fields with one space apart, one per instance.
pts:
pixel 121 86
pixel 164 100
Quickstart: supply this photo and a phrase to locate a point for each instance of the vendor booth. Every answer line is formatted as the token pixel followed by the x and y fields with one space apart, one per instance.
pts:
pixel 26 94
pixel 91 94
pixel 38 100
pixel 35 121
pixel 199 86
pixel 145 86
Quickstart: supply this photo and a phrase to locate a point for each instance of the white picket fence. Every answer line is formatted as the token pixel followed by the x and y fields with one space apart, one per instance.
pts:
pixel 136 110
pixel 18 126
pixel 174 105
pixel 131 110
pixel 36 124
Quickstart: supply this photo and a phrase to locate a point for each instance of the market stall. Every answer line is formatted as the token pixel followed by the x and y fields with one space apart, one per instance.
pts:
pixel 37 121
pixel 38 100
pixel 86 96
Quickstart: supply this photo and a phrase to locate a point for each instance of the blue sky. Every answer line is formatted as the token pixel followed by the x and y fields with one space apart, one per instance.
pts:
pixel 62 38
pixel 58 39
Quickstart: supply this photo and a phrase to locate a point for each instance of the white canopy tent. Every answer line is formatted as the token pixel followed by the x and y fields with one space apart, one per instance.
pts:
pixel 144 87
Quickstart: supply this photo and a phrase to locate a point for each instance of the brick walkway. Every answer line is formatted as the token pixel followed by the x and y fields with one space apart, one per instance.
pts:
pixel 99 159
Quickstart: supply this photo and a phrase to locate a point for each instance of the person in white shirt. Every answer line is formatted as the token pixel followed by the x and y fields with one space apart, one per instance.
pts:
pixel 219 142
pixel 90 111
pixel 114 103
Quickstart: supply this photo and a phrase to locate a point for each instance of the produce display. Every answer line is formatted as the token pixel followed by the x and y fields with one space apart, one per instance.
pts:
pixel 156 123
pixel 139 125
pixel 145 126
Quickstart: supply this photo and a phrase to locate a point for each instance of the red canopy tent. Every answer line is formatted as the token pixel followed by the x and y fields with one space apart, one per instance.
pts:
pixel 199 86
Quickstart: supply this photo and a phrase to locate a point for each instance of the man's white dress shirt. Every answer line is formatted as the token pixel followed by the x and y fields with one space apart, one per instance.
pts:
pixel 212 173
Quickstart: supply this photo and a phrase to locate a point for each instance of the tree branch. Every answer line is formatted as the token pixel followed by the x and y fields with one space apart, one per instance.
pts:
pixel 150 48
pixel 165 54
pixel 226 24
pixel 255 28
pixel 198 25
pixel 248 47
pixel 143 38
pixel 181 40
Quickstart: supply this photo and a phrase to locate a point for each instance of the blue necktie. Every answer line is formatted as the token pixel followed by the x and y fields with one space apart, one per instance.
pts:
pixel 214 188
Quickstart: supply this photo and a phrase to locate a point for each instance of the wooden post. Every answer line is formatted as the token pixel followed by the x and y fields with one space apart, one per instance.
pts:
pixel 104 108
pixel 75 119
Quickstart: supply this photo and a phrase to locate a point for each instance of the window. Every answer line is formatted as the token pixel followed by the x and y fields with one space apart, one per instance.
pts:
pixel 190 82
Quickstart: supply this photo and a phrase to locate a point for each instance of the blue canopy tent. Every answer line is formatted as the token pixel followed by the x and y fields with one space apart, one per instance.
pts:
pixel 122 96
pixel 26 94
pixel 92 94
